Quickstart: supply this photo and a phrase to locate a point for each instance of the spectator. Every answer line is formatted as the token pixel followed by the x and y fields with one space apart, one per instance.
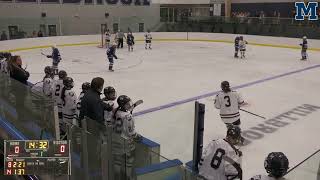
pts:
pixel 91 105
pixel 16 71
pixel 40 34
pixel 3 36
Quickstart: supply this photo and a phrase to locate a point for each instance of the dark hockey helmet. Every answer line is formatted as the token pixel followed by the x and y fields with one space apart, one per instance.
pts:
pixel 225 86
pixel 62 74
pixel 241 37
pixel 85 86
pixel 48 70
pixel 234 132
pixel 68 82
pixel 5 55
pixel 124 102
pixel 276 164
pixel 110 93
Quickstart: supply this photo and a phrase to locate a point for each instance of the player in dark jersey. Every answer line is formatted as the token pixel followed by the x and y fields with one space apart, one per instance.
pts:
pixel 111 53
pixel 236 46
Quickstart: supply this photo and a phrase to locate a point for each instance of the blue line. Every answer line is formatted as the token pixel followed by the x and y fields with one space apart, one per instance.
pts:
pixel 176 103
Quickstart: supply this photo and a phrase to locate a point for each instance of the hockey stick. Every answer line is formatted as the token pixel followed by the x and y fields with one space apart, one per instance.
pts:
pixel 253 114
pixel 136 104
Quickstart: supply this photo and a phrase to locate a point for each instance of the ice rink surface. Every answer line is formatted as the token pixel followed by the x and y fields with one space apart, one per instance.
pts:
pixel 272 80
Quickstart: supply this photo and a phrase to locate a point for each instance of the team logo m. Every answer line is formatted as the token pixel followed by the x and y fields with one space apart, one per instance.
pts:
pixel 310 11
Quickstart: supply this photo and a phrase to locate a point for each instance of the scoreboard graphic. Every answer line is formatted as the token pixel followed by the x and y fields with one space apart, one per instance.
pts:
pixel 37 157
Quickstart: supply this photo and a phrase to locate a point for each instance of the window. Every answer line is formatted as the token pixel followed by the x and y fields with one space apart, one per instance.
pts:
pixel 88 1
pixel 50 1
pixel 115 27
pixel 27 1
pixel 141 27
pixel 163 14
pixel 52 30
pixel 71 1
pixel 13 32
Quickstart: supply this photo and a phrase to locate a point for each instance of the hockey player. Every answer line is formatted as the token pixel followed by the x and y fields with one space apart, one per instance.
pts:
pixel 304 48
pixel 130 41
pixel 229 103
pixel 242 47
pixel 48 81
pixel 221 160
pixel 85 87
pixel 111 53
pixel 57 89
pixel 124 128
pixel 56 58
pixel 276 165
pixel 69 103
pixel 109 99
pixel 148 38
pixel 107 38
pixel 236 47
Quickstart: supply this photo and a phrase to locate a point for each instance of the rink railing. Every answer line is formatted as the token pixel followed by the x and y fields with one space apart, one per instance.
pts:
pixel 281 27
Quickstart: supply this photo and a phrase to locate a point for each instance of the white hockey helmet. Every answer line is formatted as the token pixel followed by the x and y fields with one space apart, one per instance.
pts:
pixel 304 37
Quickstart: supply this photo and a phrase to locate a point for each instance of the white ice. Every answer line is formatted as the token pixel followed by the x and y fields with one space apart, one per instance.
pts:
pixel 174 71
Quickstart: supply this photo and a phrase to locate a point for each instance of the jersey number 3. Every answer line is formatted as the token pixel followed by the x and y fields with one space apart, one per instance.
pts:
pixel 217 158
pixel 228 104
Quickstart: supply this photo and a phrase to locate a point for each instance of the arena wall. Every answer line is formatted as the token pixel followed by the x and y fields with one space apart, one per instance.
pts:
pixel 77 19
pixel 34 43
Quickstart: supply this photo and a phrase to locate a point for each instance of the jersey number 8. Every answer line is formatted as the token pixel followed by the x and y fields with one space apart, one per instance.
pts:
pixel 217 158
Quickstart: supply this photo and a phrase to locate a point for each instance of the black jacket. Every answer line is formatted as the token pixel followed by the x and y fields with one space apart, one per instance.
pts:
pixel 19 74
pixel 92 106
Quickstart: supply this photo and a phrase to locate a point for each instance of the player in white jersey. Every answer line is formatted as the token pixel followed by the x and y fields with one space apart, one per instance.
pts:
pixel 148 38
pixel 69 102
pixel 85 87
pixel 124 128
pixel 57 89
pixel 242 47
pixel 107 38
pixel 276 165
pixel 47 86
pixel 110 97
pixel 221 160
pixel 229 103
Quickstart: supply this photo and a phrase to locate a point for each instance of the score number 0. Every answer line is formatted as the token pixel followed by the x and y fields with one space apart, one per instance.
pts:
pixel 62 148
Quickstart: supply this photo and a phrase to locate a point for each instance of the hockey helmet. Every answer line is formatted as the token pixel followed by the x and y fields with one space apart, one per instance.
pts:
pixel 62 74
pixel 304 37
pixel 85 86
pixel 68 82
pixel 234 132
pixel 276 164
pixel 124 102
pixel 110 93
pixel 48 70
pixel 225 86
